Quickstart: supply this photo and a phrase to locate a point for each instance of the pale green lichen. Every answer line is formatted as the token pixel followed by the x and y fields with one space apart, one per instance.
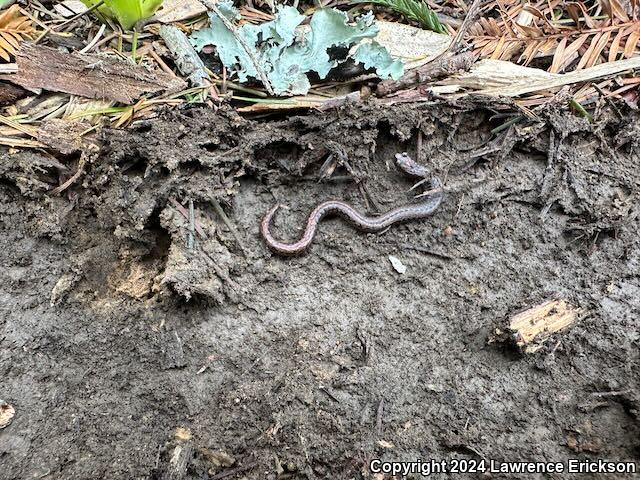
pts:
pixel 374 55
pixel 285 59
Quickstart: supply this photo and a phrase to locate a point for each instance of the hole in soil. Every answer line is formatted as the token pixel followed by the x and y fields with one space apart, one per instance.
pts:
pixel 134 167
pixel 284 154
pixel 162 243
pixel 9 185
pixel 211 147
pixel 144 127
pixel 160 250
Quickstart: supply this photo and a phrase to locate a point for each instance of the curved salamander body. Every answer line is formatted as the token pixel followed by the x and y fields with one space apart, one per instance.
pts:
pixel 359 221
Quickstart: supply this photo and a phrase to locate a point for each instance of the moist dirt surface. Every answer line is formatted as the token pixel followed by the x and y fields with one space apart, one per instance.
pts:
pixel 136 343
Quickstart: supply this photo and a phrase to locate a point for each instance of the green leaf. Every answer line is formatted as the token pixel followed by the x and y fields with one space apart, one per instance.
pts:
pixel 126 12
pixel 103 10
pixel 415 10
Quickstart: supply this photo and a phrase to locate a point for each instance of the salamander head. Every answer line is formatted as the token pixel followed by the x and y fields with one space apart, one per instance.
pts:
pixel 410 167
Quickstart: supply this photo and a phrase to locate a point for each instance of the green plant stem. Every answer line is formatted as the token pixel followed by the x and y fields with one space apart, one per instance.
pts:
pixel 507 124
pixel 580 110
pixel 134 44
pixel 240 88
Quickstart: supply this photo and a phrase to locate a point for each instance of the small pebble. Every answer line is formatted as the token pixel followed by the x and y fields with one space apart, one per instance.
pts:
pixel 397 265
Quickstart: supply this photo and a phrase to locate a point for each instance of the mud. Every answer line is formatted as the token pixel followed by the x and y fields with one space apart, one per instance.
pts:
pixel 126 354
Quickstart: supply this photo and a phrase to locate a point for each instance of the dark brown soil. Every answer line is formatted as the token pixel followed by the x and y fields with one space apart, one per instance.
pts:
pixel 114 334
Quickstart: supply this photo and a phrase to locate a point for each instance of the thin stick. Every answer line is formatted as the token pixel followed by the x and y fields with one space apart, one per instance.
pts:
pixel 19 142
pixel 218 209
pixel 379 417
pixel 32 18
pixel 106 39
pixel 9 68
pixel 192 226
pixel 185 214
pixel 239 88
pixel 74 177
pixel 31 131
pixel 95 39
pixel 472 13
pixel 161 62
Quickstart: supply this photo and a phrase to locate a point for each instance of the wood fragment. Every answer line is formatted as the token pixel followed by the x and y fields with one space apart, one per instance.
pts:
pixel 178 10
pixel 186 58
pixel 559 80
pixel 220 212
pixel 529 330
pixel 88 75
pixel 181 456
pixel 472 16
pixel 8 68
pixel 7 412
pixel 439 68
pixel 496 74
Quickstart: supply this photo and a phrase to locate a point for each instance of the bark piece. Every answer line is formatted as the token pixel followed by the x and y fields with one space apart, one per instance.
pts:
pixel 7 413
pixel 438 68
pixel 181 455
pixel 62 135
pixel 88 75
pixel 9 94
pixel 531 328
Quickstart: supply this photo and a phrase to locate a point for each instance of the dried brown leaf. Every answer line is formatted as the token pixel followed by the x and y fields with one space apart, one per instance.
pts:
pixel 598 49
pixel 489 48
pixel 558 57
pixel 494 28
pixel 14 28
pixel 530 52
pixel 614 10
pixel 15 43
pixel 574 11
pixel 548 46
pixel 576 44
pixel 497 53
pixel 585 14
pixel 538 13
pixel 614 48
pixel 606 7
pixel 481 42
pixel 514 29
pixel 630 45
pixel 531 32
pixel 587 54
